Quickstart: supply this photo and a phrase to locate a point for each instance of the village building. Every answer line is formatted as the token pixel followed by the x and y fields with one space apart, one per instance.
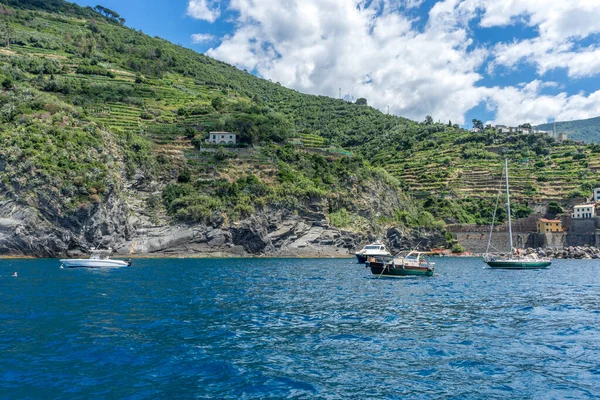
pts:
pixel 502 128
pixel 512 129
pixel 221 138
pixel 549 225
pixel 584 211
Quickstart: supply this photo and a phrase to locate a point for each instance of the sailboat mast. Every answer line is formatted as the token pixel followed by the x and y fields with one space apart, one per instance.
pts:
pixel 508 208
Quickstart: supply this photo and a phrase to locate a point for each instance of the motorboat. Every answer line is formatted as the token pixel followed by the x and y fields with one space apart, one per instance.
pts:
pixel 376 249
pixel 97 259
pixel 413 263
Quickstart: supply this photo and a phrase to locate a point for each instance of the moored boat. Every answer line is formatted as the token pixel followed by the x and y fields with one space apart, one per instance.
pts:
pixel 516 260
pixel 528 262
pixel 376 249
pixel 412 264
pixel 98 259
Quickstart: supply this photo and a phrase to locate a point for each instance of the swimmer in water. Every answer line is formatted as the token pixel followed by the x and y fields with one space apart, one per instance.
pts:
pixel 15 275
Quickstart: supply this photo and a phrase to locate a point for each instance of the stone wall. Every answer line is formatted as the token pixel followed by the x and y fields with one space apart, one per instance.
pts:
pixel 476 242
pixel 583 232
pixel 544 240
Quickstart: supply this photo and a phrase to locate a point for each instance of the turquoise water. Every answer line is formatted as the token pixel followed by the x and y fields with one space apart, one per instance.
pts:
pixel 281 328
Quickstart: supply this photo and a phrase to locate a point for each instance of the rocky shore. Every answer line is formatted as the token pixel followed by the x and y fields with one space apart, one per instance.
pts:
pixel 576 252
pixel 24 231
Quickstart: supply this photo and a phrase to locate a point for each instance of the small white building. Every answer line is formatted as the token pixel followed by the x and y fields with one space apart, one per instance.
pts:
pixel 596 198
pixel 221 138
pixel 584 211
pixel 512 129
pixel 502 128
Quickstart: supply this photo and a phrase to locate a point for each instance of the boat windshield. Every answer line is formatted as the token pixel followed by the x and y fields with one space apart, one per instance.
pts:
pixel 100 254
pixel 373 247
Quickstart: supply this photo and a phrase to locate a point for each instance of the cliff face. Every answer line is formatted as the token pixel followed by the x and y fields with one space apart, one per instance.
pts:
pixel 30 230
pixel 123 222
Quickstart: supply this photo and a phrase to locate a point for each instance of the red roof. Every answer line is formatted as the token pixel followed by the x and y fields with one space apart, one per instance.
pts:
pixel 549 220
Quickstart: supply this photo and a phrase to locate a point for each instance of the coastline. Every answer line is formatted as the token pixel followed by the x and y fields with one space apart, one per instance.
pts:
pixel 192 255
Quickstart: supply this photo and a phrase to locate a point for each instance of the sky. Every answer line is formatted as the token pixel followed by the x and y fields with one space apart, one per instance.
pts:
pixel 500 61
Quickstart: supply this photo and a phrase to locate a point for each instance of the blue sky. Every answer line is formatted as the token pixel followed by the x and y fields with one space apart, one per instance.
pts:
pixel 509 61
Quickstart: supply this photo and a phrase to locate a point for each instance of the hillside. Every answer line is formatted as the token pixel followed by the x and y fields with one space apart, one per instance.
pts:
pixel 103 143
pixel 587 130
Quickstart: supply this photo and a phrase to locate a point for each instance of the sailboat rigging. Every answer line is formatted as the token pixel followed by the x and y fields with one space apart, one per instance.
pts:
pixel 518 261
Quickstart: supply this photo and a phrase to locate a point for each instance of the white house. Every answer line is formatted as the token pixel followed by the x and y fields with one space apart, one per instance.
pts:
pixel 584 211
pixel 221 138
pixel 596 195
pixel 512 129
pixel 502 128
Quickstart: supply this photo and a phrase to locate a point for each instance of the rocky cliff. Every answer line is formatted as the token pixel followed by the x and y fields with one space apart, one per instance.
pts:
pixel 123 223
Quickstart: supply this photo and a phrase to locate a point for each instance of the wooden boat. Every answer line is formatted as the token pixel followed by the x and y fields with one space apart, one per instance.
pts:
pixel 412 264
pixel 516 260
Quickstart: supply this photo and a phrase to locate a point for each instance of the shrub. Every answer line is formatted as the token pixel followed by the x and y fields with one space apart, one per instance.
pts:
pixel 340 218
pixel 7 83
pixel 458 248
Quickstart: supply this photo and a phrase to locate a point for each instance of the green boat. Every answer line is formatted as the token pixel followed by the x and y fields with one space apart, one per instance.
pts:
pixel 515 260
pixel 413 264
pixel 519 263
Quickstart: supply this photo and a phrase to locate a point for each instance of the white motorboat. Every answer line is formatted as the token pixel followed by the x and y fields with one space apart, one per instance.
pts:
pixel 98 259
pixel 376 249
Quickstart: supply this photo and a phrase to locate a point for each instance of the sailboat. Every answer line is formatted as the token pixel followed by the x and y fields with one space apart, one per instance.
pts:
pixel 516 260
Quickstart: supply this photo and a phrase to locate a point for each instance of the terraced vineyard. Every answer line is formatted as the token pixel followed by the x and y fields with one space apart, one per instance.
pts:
pixel 157 102
pixel 565 170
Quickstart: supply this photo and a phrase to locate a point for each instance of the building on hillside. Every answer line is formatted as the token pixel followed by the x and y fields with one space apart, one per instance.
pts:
pixel 549 225
pixel 512 129
pixel 475 130
pixel 584 211
pixel 221 138
pixel 596 197
pixel 502 128
pixel 562 137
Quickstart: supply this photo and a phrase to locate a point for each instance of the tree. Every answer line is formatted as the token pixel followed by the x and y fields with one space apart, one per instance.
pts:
pixel 6 33
pixel 554 208
pixel 361 101
pixel 7 83
pixel 108 13
pixel 477 124
pixel 218 103
pixel 428 120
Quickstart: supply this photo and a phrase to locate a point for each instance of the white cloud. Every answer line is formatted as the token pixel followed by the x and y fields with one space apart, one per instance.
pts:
pixel 319 46
pixel 375 50
pixel 203 9
pixel 526 104
pixel 202 38
pixel 560 25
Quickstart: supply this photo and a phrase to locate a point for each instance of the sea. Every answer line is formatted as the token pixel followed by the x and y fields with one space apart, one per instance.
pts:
pixel 298 329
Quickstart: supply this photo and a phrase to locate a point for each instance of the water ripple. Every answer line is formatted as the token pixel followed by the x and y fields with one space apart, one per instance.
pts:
pixel 278 328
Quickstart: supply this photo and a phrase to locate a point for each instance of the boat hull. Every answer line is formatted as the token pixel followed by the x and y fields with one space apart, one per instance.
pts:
pixel 89 263
pixel 362 258
pixel 398 271
pixel 518 264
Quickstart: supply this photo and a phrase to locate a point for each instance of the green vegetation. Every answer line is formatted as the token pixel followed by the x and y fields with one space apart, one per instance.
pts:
pixel 87 103
pixel 587 130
